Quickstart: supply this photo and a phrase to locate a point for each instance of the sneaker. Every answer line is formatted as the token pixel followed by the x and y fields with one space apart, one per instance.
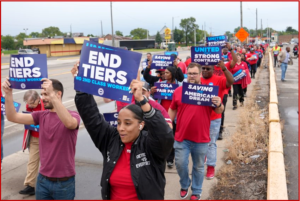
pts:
pixel 210 173
pixel 170 164
pixel 28 191
pixel 242 104
pixel 245 95
pixel 220 136
pixel 196 197
pixel 234 107
pixel 230 95
pixel 184 193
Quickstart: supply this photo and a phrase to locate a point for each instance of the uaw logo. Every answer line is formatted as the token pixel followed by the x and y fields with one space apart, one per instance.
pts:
pixel 211 84
pixel 23 86
pixel 100 91
pixel 206 63
pixel 199 103
pixel 125 98
pixel 166 97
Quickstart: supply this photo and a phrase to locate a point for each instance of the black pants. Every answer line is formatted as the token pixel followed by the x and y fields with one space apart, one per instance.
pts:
pixel 223 113
pixel 253 70
pixel 172 154
pixel 275 60
pixel 245 90
pixel 259 62
pixel 237 91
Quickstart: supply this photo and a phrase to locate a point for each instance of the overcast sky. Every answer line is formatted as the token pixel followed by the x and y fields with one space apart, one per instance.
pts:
pixel 86 16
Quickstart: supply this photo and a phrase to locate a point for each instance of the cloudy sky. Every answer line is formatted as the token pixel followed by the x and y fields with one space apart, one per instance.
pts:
pixel 85 17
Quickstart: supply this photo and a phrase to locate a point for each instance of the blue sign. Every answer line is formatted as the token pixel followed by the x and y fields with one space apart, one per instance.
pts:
pixel 206 55
pixel 31 127
pixel 27 70
pixel 197 94
pixel 164 90
pixel 240 74
pixel 111 118
pixel 161 61
pixel 171 52
pixel 107 71
pixel 216 41
pixel 17 105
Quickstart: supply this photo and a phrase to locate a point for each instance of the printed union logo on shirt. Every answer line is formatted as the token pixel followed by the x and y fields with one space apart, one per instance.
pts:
pixel 197 94
pixel 206 55
pixel 27 71
pixel 164 91
pixel 161 61
pixel 111 118
pixel 106 71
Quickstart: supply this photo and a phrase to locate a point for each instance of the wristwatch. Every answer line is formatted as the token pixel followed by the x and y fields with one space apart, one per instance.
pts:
pixel 143 102
pixel 224 70
pixel 219 105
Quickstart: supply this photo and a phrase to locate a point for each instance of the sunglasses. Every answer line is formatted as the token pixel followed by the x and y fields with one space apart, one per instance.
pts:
pixel 206 68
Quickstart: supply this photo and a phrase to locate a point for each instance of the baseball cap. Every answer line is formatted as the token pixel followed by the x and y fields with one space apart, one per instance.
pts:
pixel 146 86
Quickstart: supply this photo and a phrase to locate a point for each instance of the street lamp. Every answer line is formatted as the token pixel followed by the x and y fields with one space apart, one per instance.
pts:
pixel 25 30
pixel 173 28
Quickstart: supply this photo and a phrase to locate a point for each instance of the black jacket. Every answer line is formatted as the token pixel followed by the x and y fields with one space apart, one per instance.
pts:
pixel 148 153
pixel 152 79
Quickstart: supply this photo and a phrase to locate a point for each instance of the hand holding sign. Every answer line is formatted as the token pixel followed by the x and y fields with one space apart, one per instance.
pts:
pixel 216 100
pixel 136 89
pixel 6 86
pixel 74 70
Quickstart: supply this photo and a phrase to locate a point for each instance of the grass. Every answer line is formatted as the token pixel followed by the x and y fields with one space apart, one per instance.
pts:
pixel 7 52
pixel 149 50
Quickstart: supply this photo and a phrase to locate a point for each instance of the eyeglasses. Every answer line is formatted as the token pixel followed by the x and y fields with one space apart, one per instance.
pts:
pixel 208 69
pixel 193 74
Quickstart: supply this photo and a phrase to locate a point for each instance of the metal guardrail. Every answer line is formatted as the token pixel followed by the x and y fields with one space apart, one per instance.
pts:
pixel 276 186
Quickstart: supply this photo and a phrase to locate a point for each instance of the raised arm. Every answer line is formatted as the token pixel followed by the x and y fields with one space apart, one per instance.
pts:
pixel 10 111
pixel 228 75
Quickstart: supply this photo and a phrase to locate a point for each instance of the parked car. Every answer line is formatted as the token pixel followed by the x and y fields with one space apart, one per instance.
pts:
pixel 37 50
pixel 124 47
pixel 26 51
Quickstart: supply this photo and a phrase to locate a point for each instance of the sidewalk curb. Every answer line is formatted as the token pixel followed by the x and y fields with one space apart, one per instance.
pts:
pixel 277 186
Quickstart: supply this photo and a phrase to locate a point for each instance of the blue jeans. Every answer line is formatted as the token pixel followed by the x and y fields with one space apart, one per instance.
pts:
pixel 283 70
pixel 212 146
pixel 198 152
pixel 2 131
pixel 58 190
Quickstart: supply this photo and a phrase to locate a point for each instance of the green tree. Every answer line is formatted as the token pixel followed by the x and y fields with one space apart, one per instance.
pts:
pixel 7 42
pixel 34 34
pixel 291 30
pixel 158 38
pixel 119 33
pixel 238 28
pixel 51 32
pixel 20 38
pixel 178 35
pixel 188 25
pixel 138 33
pixel 90 35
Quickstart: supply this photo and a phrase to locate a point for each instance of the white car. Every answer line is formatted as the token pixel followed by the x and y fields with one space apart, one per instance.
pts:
pixel 285 43
pixel 26 51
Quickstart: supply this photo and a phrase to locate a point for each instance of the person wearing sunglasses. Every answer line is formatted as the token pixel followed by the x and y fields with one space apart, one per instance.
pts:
pixel 192 135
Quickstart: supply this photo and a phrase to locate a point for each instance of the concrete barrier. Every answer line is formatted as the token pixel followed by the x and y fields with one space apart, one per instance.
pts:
pixel 276 187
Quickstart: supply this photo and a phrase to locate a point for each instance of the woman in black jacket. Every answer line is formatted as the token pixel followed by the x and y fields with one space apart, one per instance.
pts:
pixel 133 160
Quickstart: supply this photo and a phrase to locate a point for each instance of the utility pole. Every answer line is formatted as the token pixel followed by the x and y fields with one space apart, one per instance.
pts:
pixel 112 27
pixel 195 36
pixel 261 29
pixel 204 34
pixel 101 29
pixel 256 23
pixel 71 30
pixel 173 29
pixel 241 14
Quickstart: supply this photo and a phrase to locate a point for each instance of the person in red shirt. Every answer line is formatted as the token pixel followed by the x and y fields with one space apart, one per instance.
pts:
pixel 237 86
pixel 224 82
pixel 33 103
pixel 218 71
pixel 188 60
pixel 181 65
pixel 252 58
pixel 192 135
pixel 2 131
pixel 170 78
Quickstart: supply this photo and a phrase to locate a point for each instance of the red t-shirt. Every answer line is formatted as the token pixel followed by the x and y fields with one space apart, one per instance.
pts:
pixel 57 144
pixel 162 110
pixel 122 187
pixel 38 108
pixel 216 81
pixel 193 121
pixel 188 61
pixel 219 72
pixel 236 68
pixel 120 104
pixel 166 104
pixel 252 61
pixel 182 66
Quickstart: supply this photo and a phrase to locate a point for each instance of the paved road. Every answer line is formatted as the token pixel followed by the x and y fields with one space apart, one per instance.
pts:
pixel 288 107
